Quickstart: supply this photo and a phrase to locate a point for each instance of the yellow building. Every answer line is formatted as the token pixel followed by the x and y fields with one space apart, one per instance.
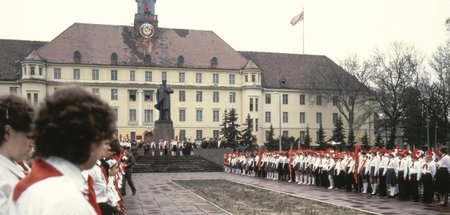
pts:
pixel 125 64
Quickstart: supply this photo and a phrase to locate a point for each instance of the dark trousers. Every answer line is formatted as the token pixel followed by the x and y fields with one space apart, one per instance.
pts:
pixel 427 181
pixel 130 182
pixel 106 209
pixel 413 186
pixel 349 181
pixel 401 186
pixel 382 186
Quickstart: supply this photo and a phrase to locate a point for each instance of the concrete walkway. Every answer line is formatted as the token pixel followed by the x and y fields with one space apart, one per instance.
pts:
pixel 158 195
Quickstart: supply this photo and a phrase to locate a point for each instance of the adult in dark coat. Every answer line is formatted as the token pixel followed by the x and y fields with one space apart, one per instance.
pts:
pixel 129 163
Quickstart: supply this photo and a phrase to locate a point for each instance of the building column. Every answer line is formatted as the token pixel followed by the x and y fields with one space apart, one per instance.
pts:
pixel 140 92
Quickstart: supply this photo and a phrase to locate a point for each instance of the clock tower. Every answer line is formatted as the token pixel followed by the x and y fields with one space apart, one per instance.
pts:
pixel 145 20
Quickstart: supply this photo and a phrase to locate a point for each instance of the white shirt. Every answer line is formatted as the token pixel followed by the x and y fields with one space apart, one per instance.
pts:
pixel 55 195
pixel 10 173
pixel 100 184
pixel 444 162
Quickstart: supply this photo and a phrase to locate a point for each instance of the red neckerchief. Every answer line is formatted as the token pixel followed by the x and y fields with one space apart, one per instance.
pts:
pixel 425 166
pixel 25 168
pixel 362 166
pixel 41 170
pixel 388 163
pixel 104 172
pixel 120 196
pixel 92 199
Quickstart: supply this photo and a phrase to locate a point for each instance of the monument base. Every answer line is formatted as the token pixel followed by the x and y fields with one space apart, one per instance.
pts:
pixel 163 129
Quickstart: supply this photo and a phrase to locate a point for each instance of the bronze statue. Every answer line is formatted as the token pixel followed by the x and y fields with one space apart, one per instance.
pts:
pixel 163 99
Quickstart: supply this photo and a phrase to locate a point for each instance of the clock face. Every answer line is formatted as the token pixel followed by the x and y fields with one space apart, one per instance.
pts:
pixel 147 30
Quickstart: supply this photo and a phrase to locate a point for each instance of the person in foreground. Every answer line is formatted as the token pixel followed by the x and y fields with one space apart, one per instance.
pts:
pixel 15 144
pixel 71 129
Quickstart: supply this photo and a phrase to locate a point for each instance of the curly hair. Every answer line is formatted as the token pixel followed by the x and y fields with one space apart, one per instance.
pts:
pixel 15 112
pixel 69 121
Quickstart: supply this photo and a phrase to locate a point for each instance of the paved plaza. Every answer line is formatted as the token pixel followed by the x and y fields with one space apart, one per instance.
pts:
pixel 158 195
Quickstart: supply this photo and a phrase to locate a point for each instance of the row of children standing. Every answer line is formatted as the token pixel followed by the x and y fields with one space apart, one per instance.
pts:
pixel 70 139
pixel 387 173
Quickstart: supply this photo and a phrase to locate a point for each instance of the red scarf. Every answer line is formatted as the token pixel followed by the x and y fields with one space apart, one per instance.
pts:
pixel 25 168
pixel 92 199
pixel 104 172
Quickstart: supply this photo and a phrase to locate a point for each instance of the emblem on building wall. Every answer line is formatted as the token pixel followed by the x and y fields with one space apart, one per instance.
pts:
pixel 147 30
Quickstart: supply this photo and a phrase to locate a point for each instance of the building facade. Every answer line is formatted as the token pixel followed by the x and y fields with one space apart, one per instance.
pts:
pixel 125 64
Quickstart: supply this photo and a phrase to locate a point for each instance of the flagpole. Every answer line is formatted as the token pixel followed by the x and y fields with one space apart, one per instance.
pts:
pixel 303 30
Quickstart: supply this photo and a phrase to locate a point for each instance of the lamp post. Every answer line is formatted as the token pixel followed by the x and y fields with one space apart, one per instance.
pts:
pixel 279 119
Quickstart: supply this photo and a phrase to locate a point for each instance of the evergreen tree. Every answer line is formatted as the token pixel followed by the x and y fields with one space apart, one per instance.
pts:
pixel 271 144
pixel 351 141
pixel 247 138
pixel 230 128
pixel 321 138
pixel 338 133
pixel 224 125
pixel 378 142
pixel 365 143
pixel 307 141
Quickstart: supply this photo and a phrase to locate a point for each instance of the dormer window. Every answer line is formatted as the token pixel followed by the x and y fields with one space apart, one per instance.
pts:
pixel 114 58
pixel 147 59
pixel 283 82
pixel 180 61
pixel 77 57
pixel 213 62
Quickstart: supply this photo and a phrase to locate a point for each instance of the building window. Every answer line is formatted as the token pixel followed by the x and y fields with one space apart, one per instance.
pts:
pixel 95 91
pixel 216 97
pixel 232 97
pixel 35 98
pixel 302 137
pixel 181 77
pixel 285 134
pixel 24 70
pixel 253 78
pixel 216 134
pixel 198 77
pixel 148 76
pixel 302 117
pixel 147 59
pixel 285 99
pixel 232 80
pixel 180 61
pixel 215 115
pixel 114 94
pixel 40 70
pixel 116 113
pixel 114 75
pixel 318 100
pixel 182 135
pixel 182 116
pixel 256 124
pixel 148 115
pixel 214 62
pixel 31 70
pixel 268 98
pixel 13 90
pixel 76 74
pixel 215 78
pixel 95 74
pixel 133 135
pixel 114 58
pixel 199 134
pixel 335 118
pixel 132 114
pixel 164 76
pixel 302 99
pixel 199 115
pixel 335 100
pixel 132 95
pixel 57 73
pixel 246 78
pixel 318 118
pixel 132 76
pixel 29 97
pixel 148 95
pixel 256 104
pixel 182 96
pixel 77 57
pixel 285 117
pixel 199 96
pixel 267 135
pixel 268 116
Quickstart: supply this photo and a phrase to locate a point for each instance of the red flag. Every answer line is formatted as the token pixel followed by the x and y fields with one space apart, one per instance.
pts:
pixel 260 157
pixel 290 159
pixel 298 18
pixel 176 138
pixel 357 148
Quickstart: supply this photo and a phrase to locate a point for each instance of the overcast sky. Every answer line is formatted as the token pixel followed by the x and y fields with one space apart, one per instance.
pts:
pixel 334 28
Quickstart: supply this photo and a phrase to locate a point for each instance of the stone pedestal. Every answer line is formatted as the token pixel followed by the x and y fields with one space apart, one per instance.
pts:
pixel 163 129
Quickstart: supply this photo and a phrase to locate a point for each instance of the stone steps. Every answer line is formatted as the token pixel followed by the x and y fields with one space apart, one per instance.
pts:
pixel 147 164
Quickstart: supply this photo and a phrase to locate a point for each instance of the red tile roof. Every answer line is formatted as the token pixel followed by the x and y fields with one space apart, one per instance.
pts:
pixel 11 53
pixel 96 43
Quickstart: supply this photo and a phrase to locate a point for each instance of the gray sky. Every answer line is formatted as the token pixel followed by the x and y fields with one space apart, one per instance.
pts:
pixel 334 28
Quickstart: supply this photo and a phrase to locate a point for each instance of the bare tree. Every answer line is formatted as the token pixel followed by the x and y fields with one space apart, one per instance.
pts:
pixel 393 71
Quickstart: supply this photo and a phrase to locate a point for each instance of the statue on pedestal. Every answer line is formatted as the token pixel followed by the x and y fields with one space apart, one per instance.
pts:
pixel 163 101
